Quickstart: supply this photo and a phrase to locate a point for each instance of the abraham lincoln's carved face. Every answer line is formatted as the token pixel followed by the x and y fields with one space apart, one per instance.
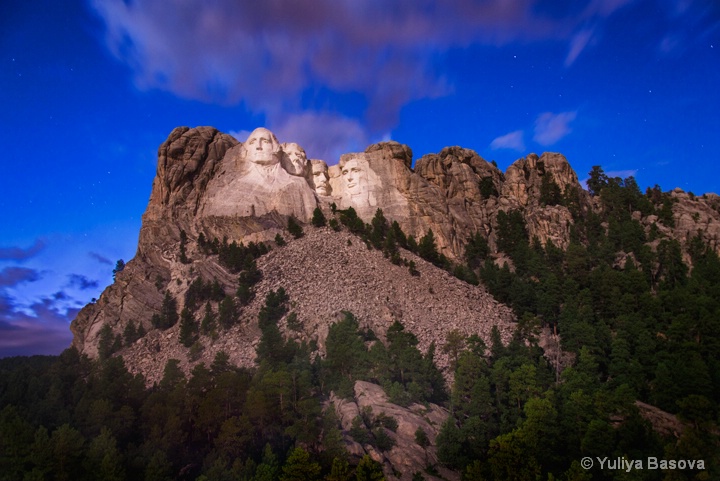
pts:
pixel 354 176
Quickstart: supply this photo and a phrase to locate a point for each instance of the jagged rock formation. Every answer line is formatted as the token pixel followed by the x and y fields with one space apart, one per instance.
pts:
pixel 209 183
pixel 692 215
pixel 406 456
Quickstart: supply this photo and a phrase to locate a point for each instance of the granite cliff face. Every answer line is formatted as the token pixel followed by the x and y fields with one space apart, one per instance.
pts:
pixel 209 183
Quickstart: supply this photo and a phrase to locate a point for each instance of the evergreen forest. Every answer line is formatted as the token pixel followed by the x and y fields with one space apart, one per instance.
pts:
pixel 637 324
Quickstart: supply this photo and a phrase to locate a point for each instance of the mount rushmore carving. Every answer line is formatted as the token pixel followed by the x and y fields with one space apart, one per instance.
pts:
pixel 209 182
pixel 262 177
pixel 211 185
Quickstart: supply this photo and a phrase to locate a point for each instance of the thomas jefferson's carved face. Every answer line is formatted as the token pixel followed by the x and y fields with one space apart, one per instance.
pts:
pixel 354 176
pixel 262 147
pixel 320 177
pixel 296 163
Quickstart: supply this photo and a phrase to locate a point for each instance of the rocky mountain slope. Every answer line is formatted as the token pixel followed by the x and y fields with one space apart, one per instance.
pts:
pixel 325 273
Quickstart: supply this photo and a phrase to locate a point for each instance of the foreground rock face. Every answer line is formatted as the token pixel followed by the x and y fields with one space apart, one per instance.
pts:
pixel 406 457
pixel 663 423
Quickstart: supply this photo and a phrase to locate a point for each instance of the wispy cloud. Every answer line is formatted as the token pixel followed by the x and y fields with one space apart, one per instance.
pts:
pixel 100 258
pixel 513 140
pixel 550 127
pixel 12 276
pixel 240 135
pixel 623 174
pixel 274 56
pixel 20 254
pixel 577 44
pixel 82 282
pixel 323 136
pixel 687 23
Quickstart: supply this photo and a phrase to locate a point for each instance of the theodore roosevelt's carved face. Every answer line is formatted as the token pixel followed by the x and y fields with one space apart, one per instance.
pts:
pixel 320 177
pixel 354 176
pixel 262 147
pixel 295 160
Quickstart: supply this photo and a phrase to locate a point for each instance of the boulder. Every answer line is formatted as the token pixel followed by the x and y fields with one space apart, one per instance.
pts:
pixel 406 457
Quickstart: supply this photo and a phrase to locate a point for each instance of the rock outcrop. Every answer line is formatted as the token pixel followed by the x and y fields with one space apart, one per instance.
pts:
pixel 406 457
pixel 692 215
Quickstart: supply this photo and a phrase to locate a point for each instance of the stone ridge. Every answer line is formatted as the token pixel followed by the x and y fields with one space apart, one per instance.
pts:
pixel 325 273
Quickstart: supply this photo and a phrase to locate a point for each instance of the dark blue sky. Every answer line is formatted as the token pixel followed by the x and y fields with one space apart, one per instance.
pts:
pixel 89 90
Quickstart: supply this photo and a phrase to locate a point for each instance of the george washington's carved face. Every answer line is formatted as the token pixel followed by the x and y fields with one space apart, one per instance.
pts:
pixel 295 160
pixel 262 147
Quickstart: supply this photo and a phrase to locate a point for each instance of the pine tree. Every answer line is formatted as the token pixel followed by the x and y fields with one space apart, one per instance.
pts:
pixel 476 251
pixel 379 229
pixel 168 316
pixel 428 250
pixel 487 187
pixel 347 357
pixel 183 253
pixel 294 228
pixel 597 180
pixel 318 218
pixel 412 244
pixel 369 470
pixel 413 269
pixel 203 244
pixel 399 235
pixel 298 467
pixel 104 457
pixel 119 267
pixel 244 294
pixel 512 232
pixel 227 313
pixel 105 345
pixel 130 333
pixel 188 328
pixel 422 440
pixel 340 471
pixel 454 345
pixel 550 193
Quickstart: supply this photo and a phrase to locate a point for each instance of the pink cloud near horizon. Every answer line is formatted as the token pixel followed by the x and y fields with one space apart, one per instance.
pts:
pixel 45 330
